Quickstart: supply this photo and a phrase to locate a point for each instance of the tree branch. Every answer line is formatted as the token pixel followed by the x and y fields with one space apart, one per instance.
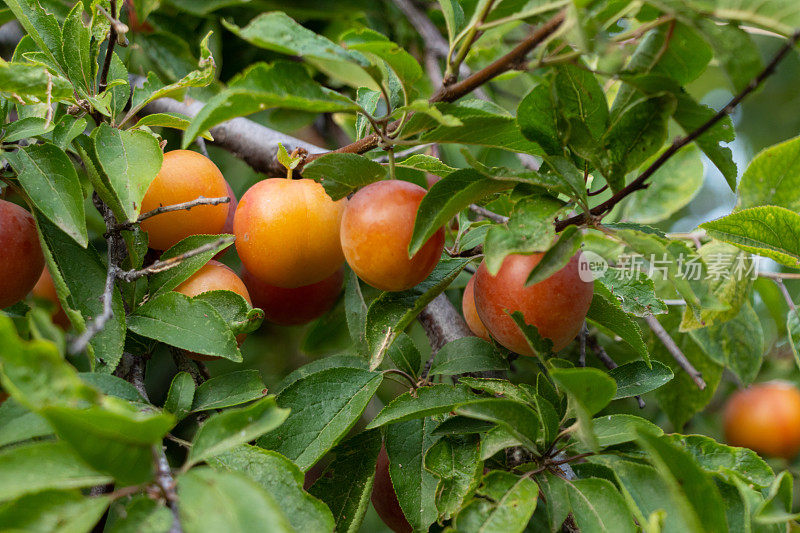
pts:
pixel 116 249
pixel 680 142
pixel 442 323
pixel 167 484
pixel 453 92
pixel 674 351
pixel 200 200
pixel 172 262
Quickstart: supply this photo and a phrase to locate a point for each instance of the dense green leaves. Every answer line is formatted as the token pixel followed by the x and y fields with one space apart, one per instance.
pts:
pixel 342 174
pixel 503 502
pixel 468 354
pixel 324 406
pixel 425 401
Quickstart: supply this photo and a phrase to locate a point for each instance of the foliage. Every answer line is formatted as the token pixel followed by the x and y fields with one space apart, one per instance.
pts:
pixel 547 128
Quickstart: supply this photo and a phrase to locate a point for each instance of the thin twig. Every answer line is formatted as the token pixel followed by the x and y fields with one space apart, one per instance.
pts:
pixel 200 200
pixel 166 483
pixel 680 142
pixel 95 326
pixel 582 340
pixel 786 296
pixel 455 91
pixel 172 262
pixel 112 40
pixel 675 351
pixel 485 213
pixel 606 359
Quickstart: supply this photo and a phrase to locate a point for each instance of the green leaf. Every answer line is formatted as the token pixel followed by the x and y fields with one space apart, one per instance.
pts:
pixel 727 461
pixel 435 399
pixel 104 433
pixel 483 124
pixel 456 462
pixel 777 505
pixel 341 174
pixel 166 280
pixel 737 344
pixel 649 495
pixel 32 82
pixel 729 277
pixel 634 290
pixel 41 26
pixel 542 346
pixel 130 160
pixel 405 355
pixel 111 385
pixel 185 323
pixel 18 424
pixel 153 88
pixel 369 100
pixel 168 120
pixel 44 465
pixel 446 198
pixel 637 377
pixel 684 477
pixel 278 32
pixel 262 86
pixel 229 389
pixel 454 18
pixel 580 99
pixel 247 507
pixel 518 419
pixel 536 115
pixel 426 163
pixel 504 502
pixel 229 429
pixel 234 310
pixel 607 311
pixel 465 355
pixel 773 178
pixel 557 257
pixel 353 467
pixel 391 312
pixel 324 406
pixel 282 480
pixel 529 229
pixel 47 175
pixel 636 133
pixel 139 514
pixel 374 45
pixel 618 429
pixel 80 64
pixel 53 511
pixel 26 128
pixel 589 390
pixel 770 231
pixel 671 188
pixel 180 395
pixel 84 277
pixel 406 445
pixel 598 506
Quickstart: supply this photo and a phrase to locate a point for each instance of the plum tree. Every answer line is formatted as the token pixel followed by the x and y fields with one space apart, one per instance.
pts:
pixel 471 313
pixel 184 176
pixel 287 232
pixel 46 290
pixel 21 260
pixel 557 306
pixel 384 498
pixel 300 305
pixel 765 418
pixel 376 230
